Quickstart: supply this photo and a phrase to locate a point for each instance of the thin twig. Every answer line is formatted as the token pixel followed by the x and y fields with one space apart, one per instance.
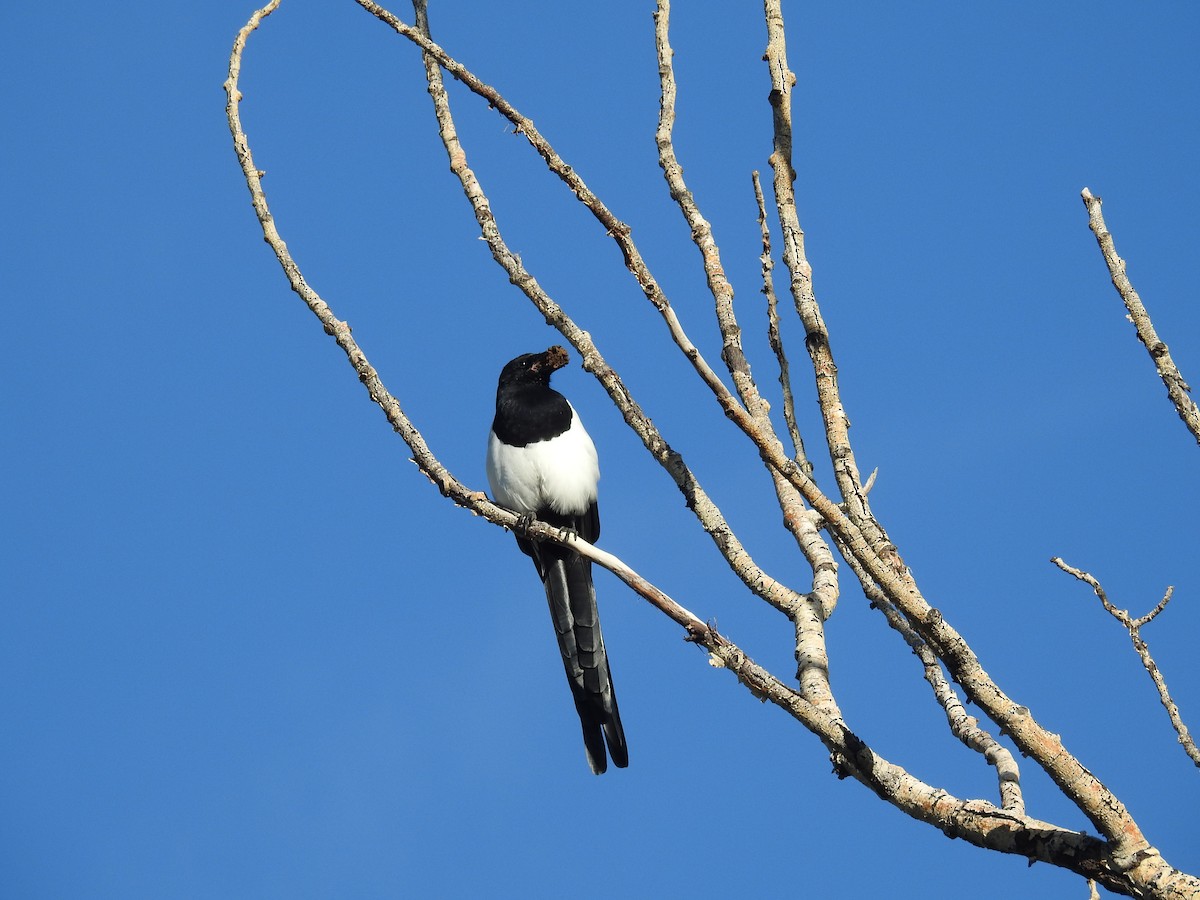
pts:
pixel 1177 388
pixel 837 423
pixel 773 335
pixel 1134 627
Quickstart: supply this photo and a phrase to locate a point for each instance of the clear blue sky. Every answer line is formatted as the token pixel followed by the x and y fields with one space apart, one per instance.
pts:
pixel 247 651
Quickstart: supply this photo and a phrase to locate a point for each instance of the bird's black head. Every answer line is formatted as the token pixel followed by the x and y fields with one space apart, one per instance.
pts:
pixel 534 368
pixel 527 408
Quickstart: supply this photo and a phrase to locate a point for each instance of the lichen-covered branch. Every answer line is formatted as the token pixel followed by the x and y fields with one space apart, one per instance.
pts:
pixel 1177 389
pixel 1134 627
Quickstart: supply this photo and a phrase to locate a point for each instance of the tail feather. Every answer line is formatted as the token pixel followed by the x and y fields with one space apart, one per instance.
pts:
pixel 572 599
pixel 614 732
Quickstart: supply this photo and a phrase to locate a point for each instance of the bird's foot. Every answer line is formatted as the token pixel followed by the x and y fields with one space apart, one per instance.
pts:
pixel 525 522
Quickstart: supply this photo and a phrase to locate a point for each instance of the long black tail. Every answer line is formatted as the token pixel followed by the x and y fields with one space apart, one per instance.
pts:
pixel 572 599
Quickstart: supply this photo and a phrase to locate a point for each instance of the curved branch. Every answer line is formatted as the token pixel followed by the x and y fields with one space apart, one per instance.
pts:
pixel 1177 388
pixel 855 758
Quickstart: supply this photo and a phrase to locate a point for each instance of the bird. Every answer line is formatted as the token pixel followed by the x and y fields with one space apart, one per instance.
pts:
pixel 542 464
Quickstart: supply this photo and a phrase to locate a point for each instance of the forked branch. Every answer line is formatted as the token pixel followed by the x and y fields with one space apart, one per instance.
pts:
pixel 1134 627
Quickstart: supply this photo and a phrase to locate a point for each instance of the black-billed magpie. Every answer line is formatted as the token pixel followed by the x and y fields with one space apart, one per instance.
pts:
pixel 541 463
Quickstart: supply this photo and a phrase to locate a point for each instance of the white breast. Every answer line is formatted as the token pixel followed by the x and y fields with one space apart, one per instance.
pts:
pixel 560 473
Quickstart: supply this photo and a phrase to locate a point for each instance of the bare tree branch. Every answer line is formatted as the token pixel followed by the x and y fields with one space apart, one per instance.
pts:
pixel 1177 388
pixel 768 445
pixel 702 233
pixel 987 825
pixel 1123 860
pixel 1134 627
